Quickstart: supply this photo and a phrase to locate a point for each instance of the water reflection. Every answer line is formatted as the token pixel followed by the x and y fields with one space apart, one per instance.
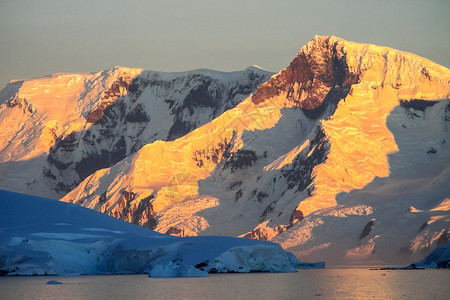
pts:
pixel 305 284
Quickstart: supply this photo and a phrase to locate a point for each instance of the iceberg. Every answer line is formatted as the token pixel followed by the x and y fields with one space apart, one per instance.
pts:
pixel 304 265
pixel 39 236
pixel 53 282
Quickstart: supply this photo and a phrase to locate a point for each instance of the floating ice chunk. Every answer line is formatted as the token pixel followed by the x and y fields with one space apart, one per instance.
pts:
pixel 165 270
pixel 302 265
pixel 257 258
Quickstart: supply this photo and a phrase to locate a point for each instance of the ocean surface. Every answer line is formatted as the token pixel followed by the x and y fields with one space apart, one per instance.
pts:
pixel 354 283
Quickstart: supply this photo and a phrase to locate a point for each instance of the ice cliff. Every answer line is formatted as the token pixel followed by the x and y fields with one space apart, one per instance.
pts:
pixel 40 236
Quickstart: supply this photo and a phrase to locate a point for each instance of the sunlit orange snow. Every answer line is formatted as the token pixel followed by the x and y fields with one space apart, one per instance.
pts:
pixel 360 140
pixel 55 105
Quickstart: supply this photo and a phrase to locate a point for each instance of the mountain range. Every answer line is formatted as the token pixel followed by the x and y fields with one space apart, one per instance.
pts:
pixel 343 156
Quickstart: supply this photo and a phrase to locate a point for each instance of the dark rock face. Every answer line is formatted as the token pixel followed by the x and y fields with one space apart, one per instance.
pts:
pixel 207 95
pixel 330 103
pixel 213 154
pixel 137 115
pixel 130 212
pixel 241 159
pixel 269 209
pixel 179 128
pixel 367 229
pixel 298 174
pixel 417 104
pixel 297 215
pixel 314 72
pixel 108 97
pixel 175 231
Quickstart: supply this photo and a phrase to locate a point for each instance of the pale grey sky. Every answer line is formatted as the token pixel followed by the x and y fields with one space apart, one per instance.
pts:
pixel 39 37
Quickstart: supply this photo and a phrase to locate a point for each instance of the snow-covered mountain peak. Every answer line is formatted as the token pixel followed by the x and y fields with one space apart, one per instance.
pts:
pixel 327 62
pixel 256 68
pixel 351 134
pixel 225 77
pixel 319 66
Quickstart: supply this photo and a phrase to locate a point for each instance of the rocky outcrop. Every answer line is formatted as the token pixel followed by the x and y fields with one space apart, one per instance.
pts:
pixel 118 88
pixel 318 67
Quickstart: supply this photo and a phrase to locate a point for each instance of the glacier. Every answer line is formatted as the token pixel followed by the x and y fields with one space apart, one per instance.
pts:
pixel 439 258
pixel 40 236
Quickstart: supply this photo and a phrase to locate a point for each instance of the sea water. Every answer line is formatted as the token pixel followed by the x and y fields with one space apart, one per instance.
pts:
pixel 352 283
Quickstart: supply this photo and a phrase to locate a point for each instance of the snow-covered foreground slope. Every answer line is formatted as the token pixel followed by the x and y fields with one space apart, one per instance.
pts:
pixel 439 258
pixel 42 236
pixel 59 129
pixel 344 154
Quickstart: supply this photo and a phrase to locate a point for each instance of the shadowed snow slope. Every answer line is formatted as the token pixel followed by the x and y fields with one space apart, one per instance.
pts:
pixel 42 236
pixel 439 258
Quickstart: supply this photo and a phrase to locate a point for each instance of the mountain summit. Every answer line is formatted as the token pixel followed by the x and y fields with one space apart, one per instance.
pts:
pixel 343 155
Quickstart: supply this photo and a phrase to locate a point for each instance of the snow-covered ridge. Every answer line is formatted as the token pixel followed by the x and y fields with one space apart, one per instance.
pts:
pixel 66 126
pixel 220 75
pixel 45 237
pixel 338 118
